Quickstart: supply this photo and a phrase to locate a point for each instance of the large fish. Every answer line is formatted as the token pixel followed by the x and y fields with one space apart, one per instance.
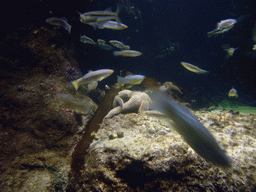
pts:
pixel 91 77
pixel 193 132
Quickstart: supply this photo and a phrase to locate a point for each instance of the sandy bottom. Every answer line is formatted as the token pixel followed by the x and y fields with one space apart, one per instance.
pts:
pixel 245 110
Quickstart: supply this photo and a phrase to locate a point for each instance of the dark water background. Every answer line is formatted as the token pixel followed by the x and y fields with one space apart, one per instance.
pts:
pixel 155 26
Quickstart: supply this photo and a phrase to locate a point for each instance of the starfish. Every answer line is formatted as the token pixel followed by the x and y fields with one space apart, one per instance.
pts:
pixel 134 100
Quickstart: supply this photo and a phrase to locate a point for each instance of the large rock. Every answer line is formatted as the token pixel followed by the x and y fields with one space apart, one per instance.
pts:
pixel 132 152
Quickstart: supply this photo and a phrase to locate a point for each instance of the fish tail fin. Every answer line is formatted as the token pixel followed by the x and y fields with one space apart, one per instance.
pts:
pixel 69 28
pixel 79 13
pixel 95 26
pixel 120 80
pixel 115 53
pixel 75 84
pixel 118 20
pixel 209 34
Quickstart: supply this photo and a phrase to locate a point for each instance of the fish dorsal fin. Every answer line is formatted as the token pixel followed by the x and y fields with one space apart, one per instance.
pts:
pixel 64 18
pixel 129 73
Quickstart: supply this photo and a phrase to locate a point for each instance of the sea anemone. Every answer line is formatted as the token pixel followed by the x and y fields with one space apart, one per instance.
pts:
pixel 71 72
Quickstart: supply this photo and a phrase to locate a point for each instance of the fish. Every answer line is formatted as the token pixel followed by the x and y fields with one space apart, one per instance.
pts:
pixel 193 68
pixel 230 50
pixel 254 47
pixel 102 44
pixel 119 44
pixel 171 86
pixel 101 41
pixel 130 79
pixel 127 53
pixel 222 27
pixel 98 18
pixel 92 76
pixel 59 22
pixel 232 93
pixel 192 131
pixel 112 25
pixel 85 39
pixel 73 103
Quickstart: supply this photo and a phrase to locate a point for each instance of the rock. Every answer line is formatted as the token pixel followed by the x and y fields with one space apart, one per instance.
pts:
pixel 143 160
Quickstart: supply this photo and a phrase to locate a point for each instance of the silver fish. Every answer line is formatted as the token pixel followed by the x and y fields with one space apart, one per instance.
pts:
pixel 73 103
pixel 85 39
pixel 223 26
pixel 127 53
pixel 96 18
pixel 119 44
pixel 91 77
pixel 193 68
pixel 193 132
pixel 59 22
pixel 112 25
pixel 130 79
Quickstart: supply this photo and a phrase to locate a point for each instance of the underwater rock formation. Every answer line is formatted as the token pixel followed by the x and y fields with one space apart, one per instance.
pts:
pixel 135 152
pixel 37 133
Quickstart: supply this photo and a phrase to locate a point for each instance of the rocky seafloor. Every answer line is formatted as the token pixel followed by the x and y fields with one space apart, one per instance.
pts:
pixel 130 152
pixel 133 152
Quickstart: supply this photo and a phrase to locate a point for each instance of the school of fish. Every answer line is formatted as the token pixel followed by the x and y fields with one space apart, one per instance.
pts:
pixel 194 133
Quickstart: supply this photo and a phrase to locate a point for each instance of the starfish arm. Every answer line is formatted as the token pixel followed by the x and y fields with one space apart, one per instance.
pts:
pixel 144 106
pixel 133 103
pixel 118 102
pixel 113 112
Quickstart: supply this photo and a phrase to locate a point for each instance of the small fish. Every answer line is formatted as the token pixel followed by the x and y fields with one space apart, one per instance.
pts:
pixel 112 25
pixel 223 26
pixel 192 131
pixel 127 53
pixel 59 22
pixel 130 79
pixel 230 50
pixel 193 68
pixel 73 103
pixel 232 93
pixel 91 77
pixel 102 44
pixel 98 18
pixel 171 86
pixel 254 47
pixel 101 41
pixel 119 44
pixel 85 39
